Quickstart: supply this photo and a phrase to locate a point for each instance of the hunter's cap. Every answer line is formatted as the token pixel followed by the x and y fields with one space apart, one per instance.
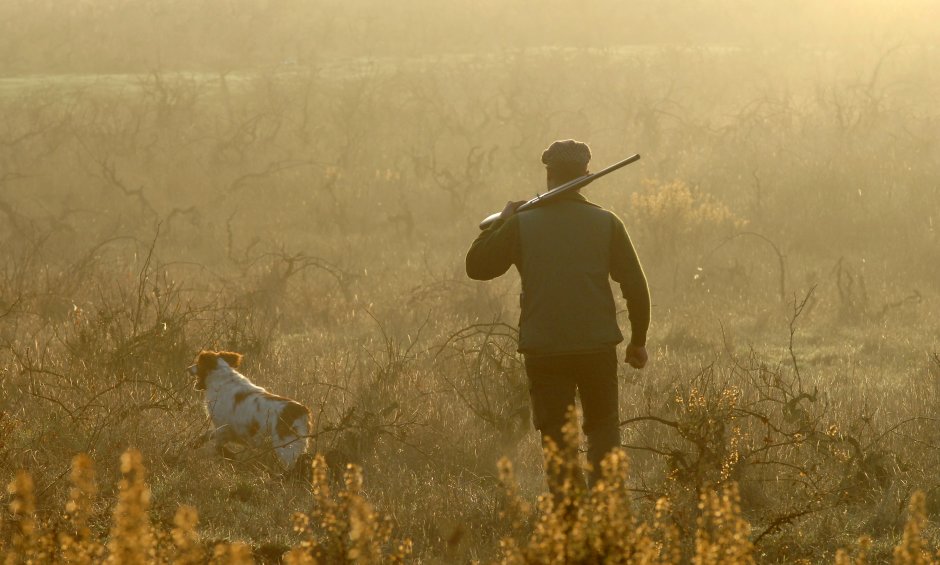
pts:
pixel 568 154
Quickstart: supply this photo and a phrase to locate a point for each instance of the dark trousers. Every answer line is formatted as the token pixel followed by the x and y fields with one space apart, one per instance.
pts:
pixel 553 383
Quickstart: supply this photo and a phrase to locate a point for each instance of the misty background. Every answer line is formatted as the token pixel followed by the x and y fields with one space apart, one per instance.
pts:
pixel 299 181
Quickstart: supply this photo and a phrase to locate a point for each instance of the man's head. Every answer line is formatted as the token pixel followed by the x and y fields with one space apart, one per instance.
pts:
pixel 565 160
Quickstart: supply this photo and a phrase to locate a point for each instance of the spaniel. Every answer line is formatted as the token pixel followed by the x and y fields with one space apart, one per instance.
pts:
pixel 245 413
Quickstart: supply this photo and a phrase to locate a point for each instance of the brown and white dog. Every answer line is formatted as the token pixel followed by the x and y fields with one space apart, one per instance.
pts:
pixel 245 413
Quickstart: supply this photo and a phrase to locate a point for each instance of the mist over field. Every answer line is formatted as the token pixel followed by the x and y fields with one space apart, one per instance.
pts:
pixel 299 182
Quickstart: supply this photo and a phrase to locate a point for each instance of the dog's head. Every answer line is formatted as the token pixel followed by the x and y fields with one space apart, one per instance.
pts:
pixel 208 361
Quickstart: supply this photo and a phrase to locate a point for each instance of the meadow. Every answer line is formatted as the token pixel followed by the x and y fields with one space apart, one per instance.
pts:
pixel 303 189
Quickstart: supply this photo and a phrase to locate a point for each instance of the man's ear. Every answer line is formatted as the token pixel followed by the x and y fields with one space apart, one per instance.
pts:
pixel 233 359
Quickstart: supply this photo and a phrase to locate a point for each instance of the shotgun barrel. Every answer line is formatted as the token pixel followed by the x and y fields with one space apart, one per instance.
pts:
pixel 559 190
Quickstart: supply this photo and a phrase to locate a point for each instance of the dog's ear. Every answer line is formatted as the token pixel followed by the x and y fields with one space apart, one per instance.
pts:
pixel 233 359
pixel 206 361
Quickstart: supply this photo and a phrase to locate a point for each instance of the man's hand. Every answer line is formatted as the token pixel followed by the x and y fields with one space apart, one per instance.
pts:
pixel 636 356
pixel 510 209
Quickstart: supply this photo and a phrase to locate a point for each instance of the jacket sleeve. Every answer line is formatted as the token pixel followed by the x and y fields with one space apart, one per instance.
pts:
pixel 494 250
pixel 625 269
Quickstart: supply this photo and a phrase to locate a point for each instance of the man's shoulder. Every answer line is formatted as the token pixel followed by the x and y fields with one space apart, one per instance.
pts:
pixel 592 206
pixel 606 212
pixel 601 212
pixel 556 211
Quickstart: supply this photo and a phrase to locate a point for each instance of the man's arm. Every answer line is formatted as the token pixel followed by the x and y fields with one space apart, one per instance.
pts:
pixel 494 250
pixel 625 269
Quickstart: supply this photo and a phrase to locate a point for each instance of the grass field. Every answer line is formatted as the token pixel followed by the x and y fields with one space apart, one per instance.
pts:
pixel 313 213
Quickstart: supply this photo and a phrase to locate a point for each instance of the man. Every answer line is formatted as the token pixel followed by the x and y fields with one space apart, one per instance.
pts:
pixel 565 250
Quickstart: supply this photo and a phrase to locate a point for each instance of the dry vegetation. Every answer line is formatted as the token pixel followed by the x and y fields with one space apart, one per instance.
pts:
pixel 299 181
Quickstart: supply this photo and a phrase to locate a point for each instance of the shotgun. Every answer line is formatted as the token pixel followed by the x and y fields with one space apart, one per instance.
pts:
pixel 559 190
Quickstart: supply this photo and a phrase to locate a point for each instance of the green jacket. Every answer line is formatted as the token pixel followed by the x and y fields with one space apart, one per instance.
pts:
pixel 565 252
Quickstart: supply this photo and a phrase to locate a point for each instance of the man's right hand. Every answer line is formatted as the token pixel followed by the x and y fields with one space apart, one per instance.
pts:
pixel 636 356
pixel 510 209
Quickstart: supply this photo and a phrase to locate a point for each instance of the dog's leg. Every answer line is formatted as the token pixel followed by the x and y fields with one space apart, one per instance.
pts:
pixel 201 440
pixel 290 452
pixel 290 448
pixel 218 437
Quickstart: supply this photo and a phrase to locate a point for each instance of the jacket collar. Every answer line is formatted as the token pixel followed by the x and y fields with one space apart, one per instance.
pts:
pixel 575 196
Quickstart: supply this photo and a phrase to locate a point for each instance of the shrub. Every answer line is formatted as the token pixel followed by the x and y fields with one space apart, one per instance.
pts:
pixel 676 219
pixel 344 529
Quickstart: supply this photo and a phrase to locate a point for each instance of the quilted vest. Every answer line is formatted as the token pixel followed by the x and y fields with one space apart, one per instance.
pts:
pixel 567 303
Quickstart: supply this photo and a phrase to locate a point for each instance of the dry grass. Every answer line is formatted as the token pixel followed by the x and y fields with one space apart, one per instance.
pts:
pixel 342 528
pixel 577 526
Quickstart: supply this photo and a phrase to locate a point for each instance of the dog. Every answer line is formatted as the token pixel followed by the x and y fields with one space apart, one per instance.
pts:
pixel 242 412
